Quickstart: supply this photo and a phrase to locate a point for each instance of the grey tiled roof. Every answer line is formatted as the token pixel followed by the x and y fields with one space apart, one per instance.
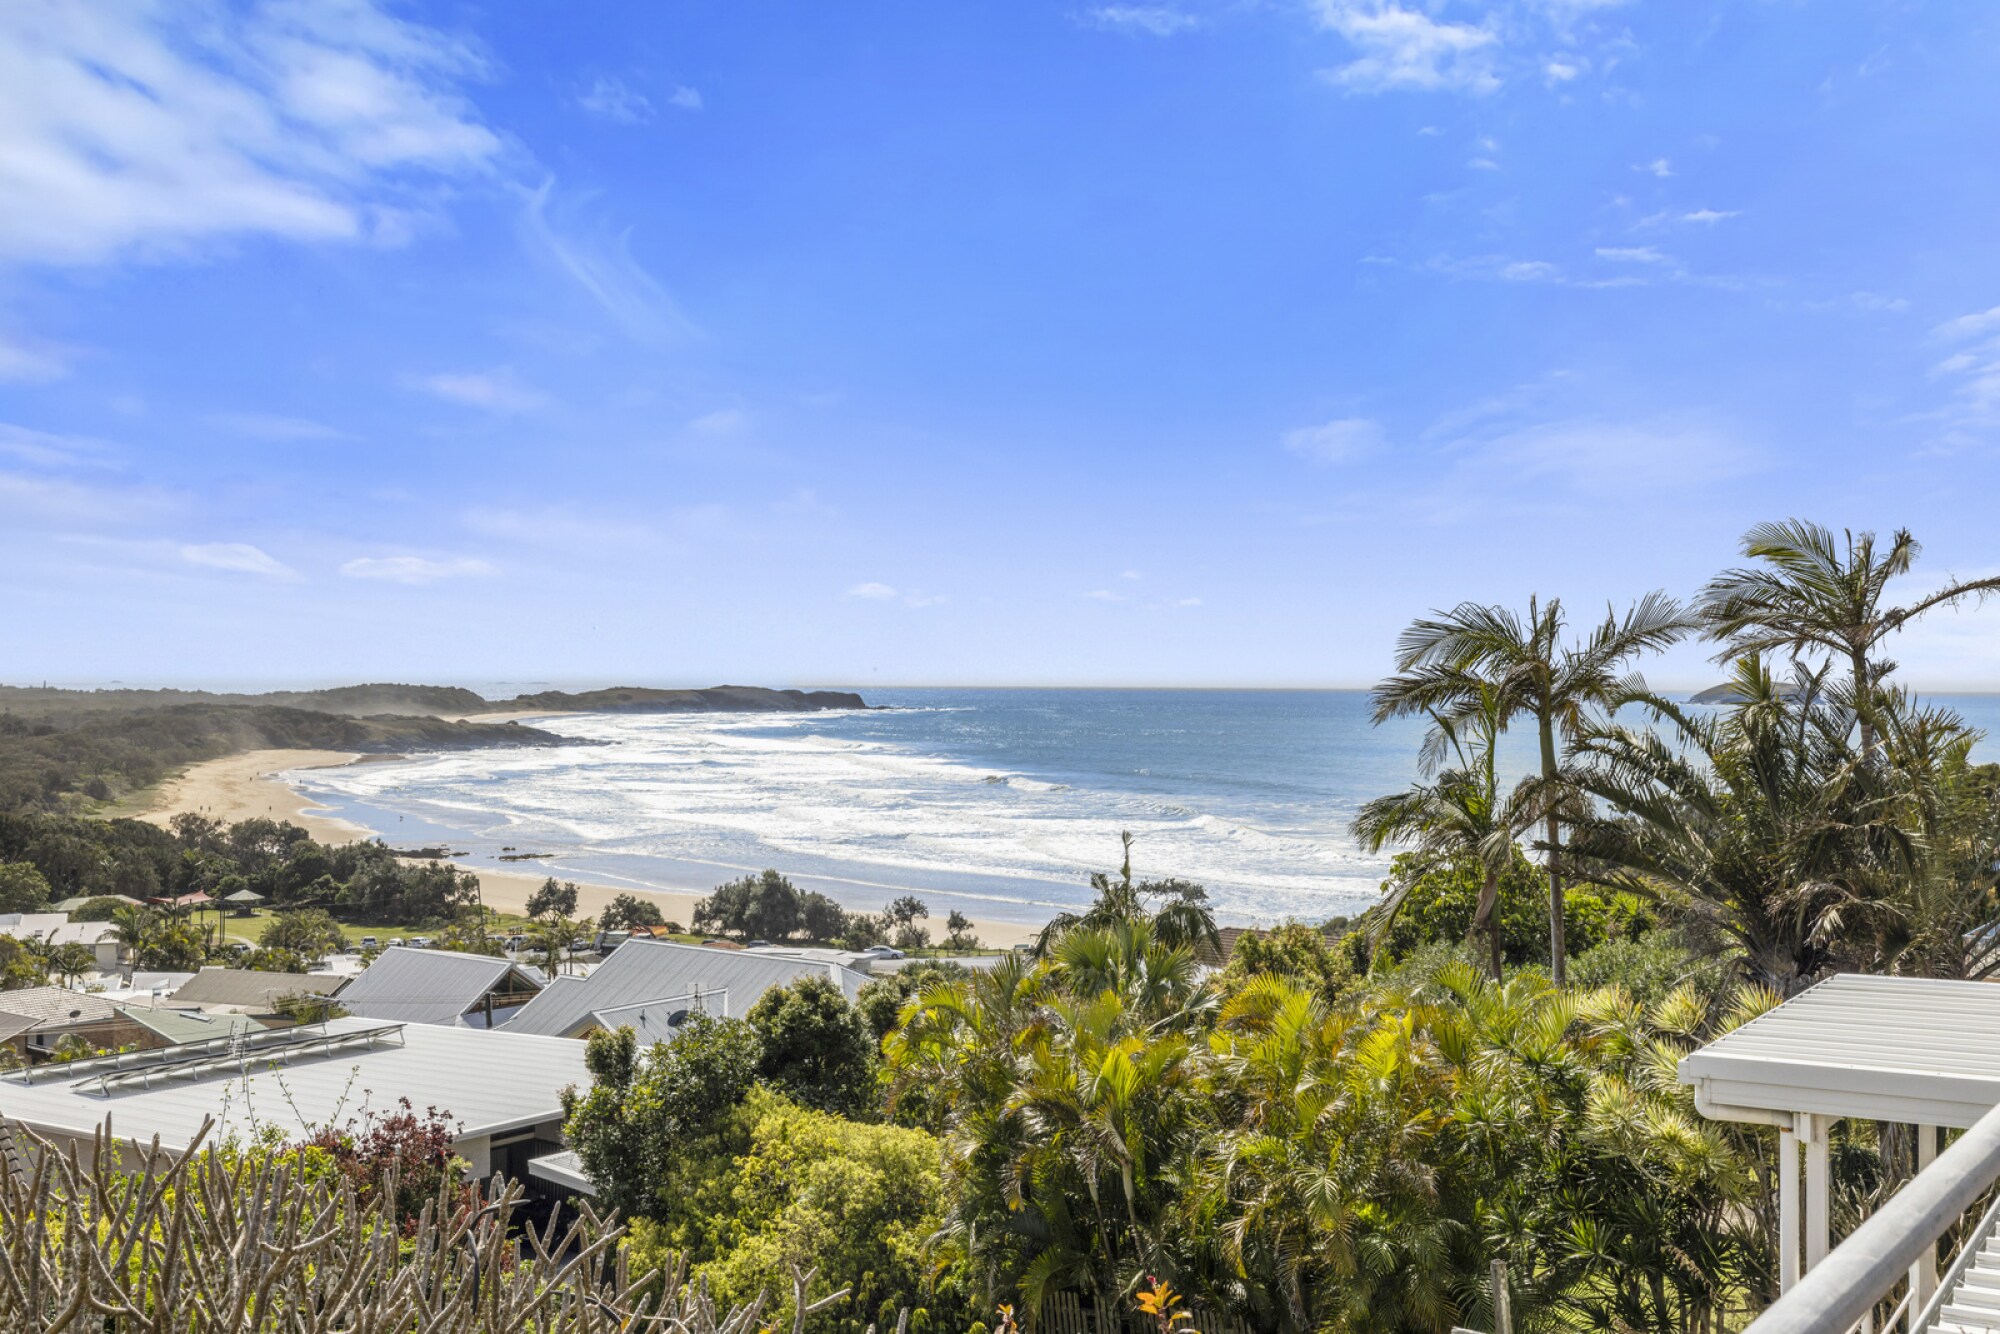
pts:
pixel 416 986
pixel 642 971
pixel 56 1006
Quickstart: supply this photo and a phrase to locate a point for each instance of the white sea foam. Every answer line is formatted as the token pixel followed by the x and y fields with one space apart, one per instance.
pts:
pixel 757 790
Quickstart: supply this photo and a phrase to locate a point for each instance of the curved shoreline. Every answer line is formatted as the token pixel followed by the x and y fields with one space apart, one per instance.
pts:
pixel 251 784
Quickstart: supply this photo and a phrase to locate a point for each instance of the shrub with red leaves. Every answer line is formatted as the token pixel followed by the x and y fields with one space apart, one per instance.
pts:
pixel 417 1149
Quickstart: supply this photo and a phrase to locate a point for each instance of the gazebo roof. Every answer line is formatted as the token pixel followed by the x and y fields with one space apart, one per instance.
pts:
pixel 1910 1049
pixel 243 896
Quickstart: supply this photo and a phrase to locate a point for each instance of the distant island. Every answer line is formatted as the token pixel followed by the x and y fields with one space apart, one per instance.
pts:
pixel 83 749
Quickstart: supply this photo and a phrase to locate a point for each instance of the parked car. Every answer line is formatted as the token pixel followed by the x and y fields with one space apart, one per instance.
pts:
pixel 421 942
pixel 395 942
pixel 369 943
pixel 757 945
pixel 883 952
pixel 514 944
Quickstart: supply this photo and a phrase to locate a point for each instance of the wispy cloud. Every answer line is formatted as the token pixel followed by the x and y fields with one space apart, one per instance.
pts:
pixel 1399 48
pixel 1631 254
pixel 1146 20
pixel 237 558
pixel 685 98
pixel 879 592
pixel 414 569
pixel 1337 441
pixel 269 426
pixel 130 131
pixel 602 265
pixel 27 361
pixel 613 99
pixel 1973 373
pixel 1696 217
pixel 723 421
pixel 1659 166
pixel 494 391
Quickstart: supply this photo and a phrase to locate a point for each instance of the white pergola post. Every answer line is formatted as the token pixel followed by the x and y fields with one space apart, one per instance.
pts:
pixel 1924 1273
pixel 1819 1187
pixel 1788 1209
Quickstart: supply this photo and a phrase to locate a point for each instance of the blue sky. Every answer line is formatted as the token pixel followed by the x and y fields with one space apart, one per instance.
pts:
pixel 986 343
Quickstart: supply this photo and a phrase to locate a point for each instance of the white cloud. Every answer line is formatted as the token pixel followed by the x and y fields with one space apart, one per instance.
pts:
pixel 1406 49
pixel 1974 371
pixel 149 129
pixel 723 421
pixel 1634 254
pixel 238 558
pixel 1707 216
pixel 495 391
pixel 1336 441
pixel 1659 167
pixel 268 426
pixel 26 362
pixel 1561 69
pixel 414 569
pixel 613 100
pixel 684 97
pixel 1104 595
pixel 876 592
pixel 1130 574
pixel 1968 326
pixel 603 266
pixel 1150 20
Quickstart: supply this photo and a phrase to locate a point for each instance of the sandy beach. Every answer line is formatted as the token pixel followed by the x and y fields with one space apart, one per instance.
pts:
pixel 248 785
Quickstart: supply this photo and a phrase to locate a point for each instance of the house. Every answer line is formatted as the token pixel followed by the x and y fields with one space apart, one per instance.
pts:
pixel 503 1091
pixel 252 993
pixel 54 1013
pixel 31 925
pixel 100 938
pixel 652 985
pixel 440 987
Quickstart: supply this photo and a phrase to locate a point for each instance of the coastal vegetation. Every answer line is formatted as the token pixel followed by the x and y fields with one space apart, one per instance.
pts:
pixel 77 750
pixel 1335 1126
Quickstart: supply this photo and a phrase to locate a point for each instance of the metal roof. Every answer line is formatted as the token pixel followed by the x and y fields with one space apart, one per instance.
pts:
pixel 640 972
pixel 26 925
pixel 188 1025
pixel 252 989
pixel 564 1169
pixel 417 986
pixel 1911 1049
pixel 487 1082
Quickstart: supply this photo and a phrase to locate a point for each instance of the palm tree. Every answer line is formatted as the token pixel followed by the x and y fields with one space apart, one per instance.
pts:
pixel 1450 663
pixel 1459 816
pixel 1816 594
pixel 1177 909
pixel 1762 818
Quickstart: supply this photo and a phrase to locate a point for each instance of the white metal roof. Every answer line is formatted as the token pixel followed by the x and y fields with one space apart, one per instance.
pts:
pixel 643 971
pixel 564 1169
pixel 413 986
pixel 1908 1049
pixel 489 1082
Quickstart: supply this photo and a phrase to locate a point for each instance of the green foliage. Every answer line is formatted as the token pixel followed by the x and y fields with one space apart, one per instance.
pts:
pixel 97 909
pixel 21 966
pixel 307 932
pixel 553 899
pixel 626 911
pixel 755 907
pixel 22 888
pixel 1294 950
pixel 649 1118
pixel 816 1048
pixel 882 998
pixel 802 1187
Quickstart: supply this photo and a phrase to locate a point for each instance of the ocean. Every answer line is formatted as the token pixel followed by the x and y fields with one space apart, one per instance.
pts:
pixel 995 802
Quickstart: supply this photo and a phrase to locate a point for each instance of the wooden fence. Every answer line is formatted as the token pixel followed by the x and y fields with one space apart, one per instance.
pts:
pixel 1066 1313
